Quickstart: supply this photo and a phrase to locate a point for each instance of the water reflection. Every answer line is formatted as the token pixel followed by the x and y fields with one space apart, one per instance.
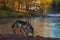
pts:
pixel 55 28
pixel 47 27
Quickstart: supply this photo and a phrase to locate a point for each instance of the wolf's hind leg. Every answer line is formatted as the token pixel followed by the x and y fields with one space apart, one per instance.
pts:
pixel 14 29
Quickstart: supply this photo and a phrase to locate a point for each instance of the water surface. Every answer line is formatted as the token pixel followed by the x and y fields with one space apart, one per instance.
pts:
pixel 47 27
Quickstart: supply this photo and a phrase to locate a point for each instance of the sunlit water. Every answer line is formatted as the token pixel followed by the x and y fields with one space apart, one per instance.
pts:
pixel 47 27
pixel 55 27
pixel 50 27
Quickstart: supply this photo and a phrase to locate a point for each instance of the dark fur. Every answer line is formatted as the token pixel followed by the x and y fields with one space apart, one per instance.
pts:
pixel 24 25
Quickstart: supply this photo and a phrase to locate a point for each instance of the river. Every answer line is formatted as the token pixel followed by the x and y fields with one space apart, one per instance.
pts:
pixel 47 27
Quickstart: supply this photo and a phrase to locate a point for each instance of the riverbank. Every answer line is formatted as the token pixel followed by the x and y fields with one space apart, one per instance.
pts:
pixel 21 37
pixel 15 14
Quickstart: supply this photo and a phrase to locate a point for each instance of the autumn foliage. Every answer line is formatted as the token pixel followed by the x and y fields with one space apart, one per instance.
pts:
pixel 19 5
